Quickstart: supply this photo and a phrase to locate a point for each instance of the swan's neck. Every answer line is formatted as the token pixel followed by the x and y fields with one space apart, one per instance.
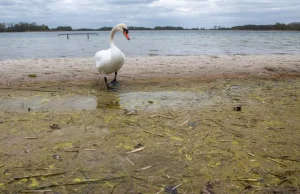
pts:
pixel 111 37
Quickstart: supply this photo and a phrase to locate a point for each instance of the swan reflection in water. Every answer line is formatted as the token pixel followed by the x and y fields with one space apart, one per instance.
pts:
pixel 108 100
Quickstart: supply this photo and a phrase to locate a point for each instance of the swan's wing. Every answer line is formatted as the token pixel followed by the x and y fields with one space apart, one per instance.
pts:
pixel 102 58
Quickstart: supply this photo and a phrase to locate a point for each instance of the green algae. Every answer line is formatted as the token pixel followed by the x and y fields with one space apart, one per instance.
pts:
pixel 34 183
pixel 92 143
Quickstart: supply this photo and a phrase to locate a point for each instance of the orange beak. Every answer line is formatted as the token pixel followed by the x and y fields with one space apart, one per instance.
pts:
pixel 126 35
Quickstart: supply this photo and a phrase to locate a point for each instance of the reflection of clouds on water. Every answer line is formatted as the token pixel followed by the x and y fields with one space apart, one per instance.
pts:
pixel 156 100
pixel 48 104
pixel 108 100
pixel 129 100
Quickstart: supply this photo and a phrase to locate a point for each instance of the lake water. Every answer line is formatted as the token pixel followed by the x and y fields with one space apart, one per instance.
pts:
pixel 31 45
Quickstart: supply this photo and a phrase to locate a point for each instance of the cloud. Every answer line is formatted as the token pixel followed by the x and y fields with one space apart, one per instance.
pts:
pixel 149 13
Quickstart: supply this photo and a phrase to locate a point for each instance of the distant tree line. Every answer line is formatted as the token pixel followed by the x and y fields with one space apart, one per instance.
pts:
pixel 26 27
pixel 29 27
pixel 168 28
pixel 138 28
pixel 62 28
pixel 105 28
pixel 22 27
pixel 295 26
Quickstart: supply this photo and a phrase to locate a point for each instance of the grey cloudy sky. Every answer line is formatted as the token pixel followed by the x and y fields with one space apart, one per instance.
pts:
pixel 150 13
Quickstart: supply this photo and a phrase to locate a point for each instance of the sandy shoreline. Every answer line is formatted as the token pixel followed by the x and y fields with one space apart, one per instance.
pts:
pixel 15 72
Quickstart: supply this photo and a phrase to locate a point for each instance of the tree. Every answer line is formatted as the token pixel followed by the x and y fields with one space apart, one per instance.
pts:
pixel 64 28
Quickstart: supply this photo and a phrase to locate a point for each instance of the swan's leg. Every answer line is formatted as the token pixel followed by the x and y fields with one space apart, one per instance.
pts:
pixel 114 82
pixel 110 89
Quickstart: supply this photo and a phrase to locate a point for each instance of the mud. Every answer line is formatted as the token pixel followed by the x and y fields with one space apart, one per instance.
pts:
pixel 192 137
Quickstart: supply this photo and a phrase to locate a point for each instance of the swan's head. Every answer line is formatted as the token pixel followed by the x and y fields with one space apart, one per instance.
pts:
pixel 123 28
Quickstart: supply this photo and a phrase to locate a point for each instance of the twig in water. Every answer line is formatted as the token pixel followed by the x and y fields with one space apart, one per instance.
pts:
pixel 263 170
pixel 249 170
pixel 38 175
pixel 83 182
pixel 70 150
pixel 36 191
pixel 89 149
pixel 161 190
pixel 2 165
pixel 250 180
pixel 31 137
pixel 205 136
pixel 144 168
pixel 176 186
pixel 152 116
pixel 251 154
pixel 185 122
pixel 136 150
pixel 226 130
pixel 277 161
pixel 129 161
pixel 168 176
pixel 223 140
pixel 171 114
pixel 154 133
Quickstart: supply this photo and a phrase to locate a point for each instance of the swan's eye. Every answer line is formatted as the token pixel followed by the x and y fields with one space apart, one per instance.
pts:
pixel 125 30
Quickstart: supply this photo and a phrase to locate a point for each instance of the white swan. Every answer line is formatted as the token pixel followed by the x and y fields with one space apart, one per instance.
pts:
pixel 111 60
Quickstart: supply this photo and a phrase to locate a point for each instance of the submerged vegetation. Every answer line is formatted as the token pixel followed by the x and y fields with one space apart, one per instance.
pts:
pixel 26 27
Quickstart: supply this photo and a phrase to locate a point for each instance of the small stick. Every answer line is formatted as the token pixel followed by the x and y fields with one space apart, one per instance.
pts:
pixel 249 170
pixel 171 114
pixel 136 150
pixel 185 122
pixel 133 112
pixel 256 186
pixel 205 136
pixel 89 149
pixel 71 150
pixel 263 170
pixel 277 161
pixel 2 165
pixel 176 186
pixel 144 168
pixel 38 175
pixel 31 137
pixel 187 191
pixel 161 190
pixel 251 154
pixel 88 181
pixel 36 191
pixel 223 140
pixel 249 180
pixel 154 133
pixel 129 161
pixel 168 176
pixel 162 116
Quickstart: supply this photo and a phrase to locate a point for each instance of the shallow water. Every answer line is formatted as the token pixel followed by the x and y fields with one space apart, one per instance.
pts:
pixel 144 43
pixel 126 100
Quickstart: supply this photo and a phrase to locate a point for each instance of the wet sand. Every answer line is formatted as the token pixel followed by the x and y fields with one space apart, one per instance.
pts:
pixel 157 67
pixel 62 132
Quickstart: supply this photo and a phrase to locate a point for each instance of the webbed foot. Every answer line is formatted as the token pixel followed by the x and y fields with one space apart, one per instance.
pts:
pixel 114 83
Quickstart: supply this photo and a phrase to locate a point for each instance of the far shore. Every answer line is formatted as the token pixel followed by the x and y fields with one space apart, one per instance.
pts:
pixel 204 67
